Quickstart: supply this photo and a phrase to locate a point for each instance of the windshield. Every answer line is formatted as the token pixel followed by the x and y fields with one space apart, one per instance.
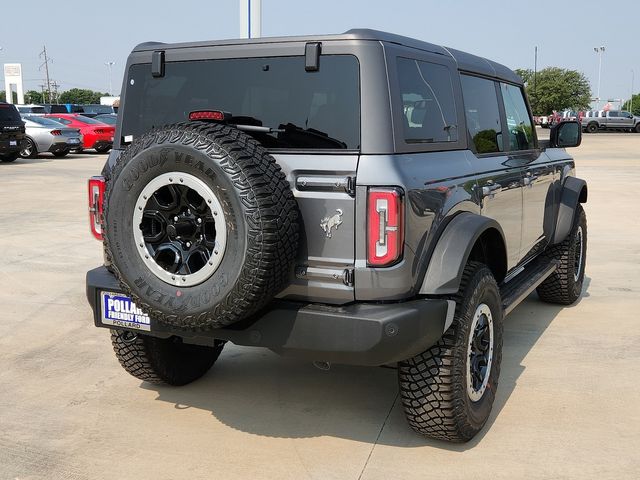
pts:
pixel 311 110
pixel 47 122
pixel 8 113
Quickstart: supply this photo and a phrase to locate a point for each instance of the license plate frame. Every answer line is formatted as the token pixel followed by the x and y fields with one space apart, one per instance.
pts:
pixel 118 310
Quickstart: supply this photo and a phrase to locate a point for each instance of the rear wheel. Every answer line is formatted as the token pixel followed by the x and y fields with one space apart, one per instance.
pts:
pixel 9 157
pixel 29 150
pixel 592 127
pixel 103 149
pixel 448 391
pixel 163 360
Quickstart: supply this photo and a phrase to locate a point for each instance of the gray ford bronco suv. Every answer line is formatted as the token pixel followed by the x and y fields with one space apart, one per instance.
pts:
pixel 362 198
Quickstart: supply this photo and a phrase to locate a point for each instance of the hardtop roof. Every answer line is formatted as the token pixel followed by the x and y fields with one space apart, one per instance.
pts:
pixel 465 61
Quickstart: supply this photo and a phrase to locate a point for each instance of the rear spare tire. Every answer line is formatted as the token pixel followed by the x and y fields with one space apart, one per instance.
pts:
pixel 200 225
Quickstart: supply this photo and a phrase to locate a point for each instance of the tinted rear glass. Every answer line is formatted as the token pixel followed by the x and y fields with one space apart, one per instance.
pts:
pixel 98 109
pixel 8 113
pixel 43 121
pixel 58 109
pixel 318 109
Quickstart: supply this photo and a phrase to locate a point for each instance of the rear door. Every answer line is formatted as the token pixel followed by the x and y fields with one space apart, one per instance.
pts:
pixel 499 174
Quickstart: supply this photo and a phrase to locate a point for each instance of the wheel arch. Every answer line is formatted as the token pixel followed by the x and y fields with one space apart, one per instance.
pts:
pixel 467 237
pixel 574 191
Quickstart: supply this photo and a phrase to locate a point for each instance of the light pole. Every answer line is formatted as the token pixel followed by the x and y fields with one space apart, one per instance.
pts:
pixel 631 101
pixel 599 51
pixel 109 65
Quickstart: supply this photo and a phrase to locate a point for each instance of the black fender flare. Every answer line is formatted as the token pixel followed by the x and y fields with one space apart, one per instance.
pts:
pixel 451 253
pixel 574 191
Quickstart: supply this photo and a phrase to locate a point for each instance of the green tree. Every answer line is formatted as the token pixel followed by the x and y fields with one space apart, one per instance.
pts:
pixel 33 96
pixel 635 99
pixel 80 95
pixel 555 88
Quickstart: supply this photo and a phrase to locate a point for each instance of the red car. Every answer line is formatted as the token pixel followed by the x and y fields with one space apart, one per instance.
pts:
pixel 95 134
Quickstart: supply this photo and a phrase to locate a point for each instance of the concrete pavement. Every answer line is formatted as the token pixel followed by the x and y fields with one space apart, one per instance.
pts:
pixel 567 405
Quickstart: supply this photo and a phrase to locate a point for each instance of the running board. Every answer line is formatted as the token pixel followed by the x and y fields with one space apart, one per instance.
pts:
pixel 519 288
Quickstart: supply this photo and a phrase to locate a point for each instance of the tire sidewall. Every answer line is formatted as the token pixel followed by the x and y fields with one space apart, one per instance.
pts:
pixel 576 286
pixel 482 290
pixel 159 157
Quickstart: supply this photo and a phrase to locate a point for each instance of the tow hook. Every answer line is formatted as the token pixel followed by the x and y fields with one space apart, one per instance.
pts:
pixel 326 366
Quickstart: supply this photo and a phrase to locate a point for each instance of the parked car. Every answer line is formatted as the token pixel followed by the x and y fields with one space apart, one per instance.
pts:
pixel 31 109
pixel 96 109
pixel 611 120
pixel 55 108
pixel 96 135
pixel 11 132
pixel 46 135
pixel 349 198
pixel 108 118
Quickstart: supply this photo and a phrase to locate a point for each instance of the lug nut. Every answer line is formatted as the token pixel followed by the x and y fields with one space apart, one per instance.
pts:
pixel 175 219
pixel 199 220
pixel 188 244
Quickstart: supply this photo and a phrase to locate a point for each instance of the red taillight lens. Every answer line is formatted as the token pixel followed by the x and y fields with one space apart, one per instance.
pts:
pixel 98 131
pixel 385 229
pixel 96 197
pixel 216 115
pixel 56 132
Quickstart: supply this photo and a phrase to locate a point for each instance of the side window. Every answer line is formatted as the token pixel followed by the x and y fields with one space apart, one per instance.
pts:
pixel 427 102
pixel 482 112
pixel 518 120
pixel 613 114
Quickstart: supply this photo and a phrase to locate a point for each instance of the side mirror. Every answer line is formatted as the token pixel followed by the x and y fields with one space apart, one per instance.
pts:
pixel 565 134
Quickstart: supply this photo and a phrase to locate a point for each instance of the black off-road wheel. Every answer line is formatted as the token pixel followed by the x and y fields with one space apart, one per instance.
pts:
pixel 564 286
pixel 163 360
pixel 448 391
pixel 9 157
pixel 200 225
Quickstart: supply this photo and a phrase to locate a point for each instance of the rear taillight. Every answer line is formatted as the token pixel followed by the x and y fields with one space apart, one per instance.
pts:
pixel 96 196
pixel 56 132
pixel 385 229
pixel 98 131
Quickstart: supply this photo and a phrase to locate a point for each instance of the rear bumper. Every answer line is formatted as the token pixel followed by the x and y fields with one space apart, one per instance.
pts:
pixel 358 334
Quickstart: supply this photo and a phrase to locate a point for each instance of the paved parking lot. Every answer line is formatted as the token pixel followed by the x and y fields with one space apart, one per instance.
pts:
pixel 567 407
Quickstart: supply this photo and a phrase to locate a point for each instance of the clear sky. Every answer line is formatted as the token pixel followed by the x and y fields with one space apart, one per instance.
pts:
pixel 84 34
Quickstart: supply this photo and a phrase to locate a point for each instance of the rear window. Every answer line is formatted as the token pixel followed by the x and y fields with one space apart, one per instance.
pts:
pixel 8 113
pixel 313 110
pixel 48 122
pixel 32 110
pixel 98 109
pixel 58 109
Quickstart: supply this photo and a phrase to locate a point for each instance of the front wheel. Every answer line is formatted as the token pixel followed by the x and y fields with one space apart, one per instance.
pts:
pixel 163 360
pixel 637 129
pixel 448 391
pixel 564 286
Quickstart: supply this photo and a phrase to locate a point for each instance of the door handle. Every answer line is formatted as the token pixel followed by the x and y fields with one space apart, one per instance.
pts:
pixel 490 189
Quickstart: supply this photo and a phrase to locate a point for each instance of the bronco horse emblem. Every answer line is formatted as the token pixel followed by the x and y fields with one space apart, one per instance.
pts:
pixel 328 223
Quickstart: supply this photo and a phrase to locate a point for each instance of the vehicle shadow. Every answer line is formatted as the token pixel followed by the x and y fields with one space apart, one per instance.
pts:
pixel 41 158
pixel 257 392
